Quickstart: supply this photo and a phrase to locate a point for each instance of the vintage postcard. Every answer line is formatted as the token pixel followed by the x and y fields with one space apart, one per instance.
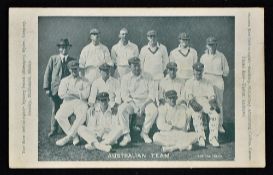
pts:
pixel 136 87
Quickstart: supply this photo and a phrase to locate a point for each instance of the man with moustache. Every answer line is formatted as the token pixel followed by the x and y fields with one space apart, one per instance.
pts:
pixel 122 51
pixel 55 71
pixel 93 55
pixel 215 68
pixel 184 56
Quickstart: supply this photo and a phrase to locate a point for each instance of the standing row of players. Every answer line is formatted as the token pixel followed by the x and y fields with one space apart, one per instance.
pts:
pixel 138 87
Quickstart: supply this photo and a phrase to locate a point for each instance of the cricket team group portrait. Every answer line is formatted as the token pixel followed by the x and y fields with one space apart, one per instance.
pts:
pixel 130 88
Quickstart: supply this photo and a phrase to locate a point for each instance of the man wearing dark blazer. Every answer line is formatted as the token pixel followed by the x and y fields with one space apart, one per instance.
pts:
pixel 55 71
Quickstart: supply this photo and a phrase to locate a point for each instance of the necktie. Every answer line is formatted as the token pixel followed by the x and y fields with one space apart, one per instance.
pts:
pixel 63 68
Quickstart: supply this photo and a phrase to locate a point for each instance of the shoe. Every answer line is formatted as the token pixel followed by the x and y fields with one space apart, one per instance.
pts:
pixel 145 137
pixel 202 142
pixel 214 142
pixel 52 133
pixel 126 139
pixel 221 129
pixel 166 149
pixel 169 149
pixel 63 141
pixel 76 140
pixel 103 147
pixel 89 147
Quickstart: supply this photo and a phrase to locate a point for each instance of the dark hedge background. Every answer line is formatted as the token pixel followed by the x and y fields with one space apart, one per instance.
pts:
pixel 51 29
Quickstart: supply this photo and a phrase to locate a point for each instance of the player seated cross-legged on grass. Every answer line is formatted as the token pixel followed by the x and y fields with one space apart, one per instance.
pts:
pixel 173 122
pixel 200 96
pixel 138 98
pixel 74 90
pixel 102 128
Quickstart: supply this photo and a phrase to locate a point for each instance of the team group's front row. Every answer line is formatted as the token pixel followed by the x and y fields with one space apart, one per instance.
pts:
pixel 101 125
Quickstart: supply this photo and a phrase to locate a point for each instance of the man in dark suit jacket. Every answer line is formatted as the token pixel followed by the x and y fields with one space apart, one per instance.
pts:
pixel 56 70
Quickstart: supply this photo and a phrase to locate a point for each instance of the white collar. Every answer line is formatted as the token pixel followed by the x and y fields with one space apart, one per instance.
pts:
pixel 207 52
pixel 63 57
pixel 169 78
pixel 137 77
pixel 109 79
pixel 180 47
pixel 98 109
pixel 92 45
pixel 157 44
pixel 120 43
pixel 169 107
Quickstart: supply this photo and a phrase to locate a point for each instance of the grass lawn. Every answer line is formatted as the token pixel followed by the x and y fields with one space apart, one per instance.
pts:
pixel 136 150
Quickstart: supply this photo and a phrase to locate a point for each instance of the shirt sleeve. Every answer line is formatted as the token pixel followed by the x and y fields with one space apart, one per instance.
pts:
pixel 114 54
pixel 142 57
pixel 107 56
pixel 202 59
pixel 63 88
pixel 136 51
pixel 172 56
pixel 161 123
pixel 165 57
pixel 195 56
pixel 82 60
pixel 225 66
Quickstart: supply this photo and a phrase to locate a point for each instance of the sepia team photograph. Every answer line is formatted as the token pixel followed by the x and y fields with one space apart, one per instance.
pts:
pixel 136 88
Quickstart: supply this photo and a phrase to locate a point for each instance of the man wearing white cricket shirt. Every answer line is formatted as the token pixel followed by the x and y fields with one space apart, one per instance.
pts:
pixel 184 56
pixel 93 55
pixel 122 51
pixel 74 90
pixel 170 82
pixel 138 97
pixel 102 128
pixel 199 95
pixel 108 84
pixel 215 68
pixel 154 58
pixel 173 124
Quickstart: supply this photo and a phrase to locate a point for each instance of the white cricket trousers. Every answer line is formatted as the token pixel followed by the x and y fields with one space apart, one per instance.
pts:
pixel 110 137
pixel 127 109
pixel 198 122
pixel 176 138
pixel 77 107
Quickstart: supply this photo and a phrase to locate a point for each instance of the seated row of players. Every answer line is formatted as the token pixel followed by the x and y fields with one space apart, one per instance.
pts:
pixel 106 121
